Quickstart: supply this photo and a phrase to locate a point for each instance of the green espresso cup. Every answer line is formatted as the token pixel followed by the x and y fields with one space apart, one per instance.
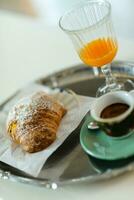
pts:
pixel 114 113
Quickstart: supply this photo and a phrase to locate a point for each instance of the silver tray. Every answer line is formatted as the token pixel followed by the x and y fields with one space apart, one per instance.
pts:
pixel 69 163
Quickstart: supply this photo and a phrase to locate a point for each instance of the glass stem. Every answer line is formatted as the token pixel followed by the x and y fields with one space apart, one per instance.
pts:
pixel 111 81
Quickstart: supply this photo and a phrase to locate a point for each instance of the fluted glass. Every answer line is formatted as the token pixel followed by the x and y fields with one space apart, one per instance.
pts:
pixel 90 28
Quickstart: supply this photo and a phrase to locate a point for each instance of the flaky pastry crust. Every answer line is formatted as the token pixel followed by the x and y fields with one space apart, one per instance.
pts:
pixel 33 122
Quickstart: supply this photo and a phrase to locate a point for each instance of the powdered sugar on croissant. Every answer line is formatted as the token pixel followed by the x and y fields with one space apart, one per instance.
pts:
pixel 34 120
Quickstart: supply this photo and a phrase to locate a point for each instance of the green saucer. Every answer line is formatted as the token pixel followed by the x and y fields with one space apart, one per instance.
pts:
pixel 99 145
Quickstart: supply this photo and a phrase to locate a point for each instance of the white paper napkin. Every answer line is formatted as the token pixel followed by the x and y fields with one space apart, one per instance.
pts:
pixel 77 107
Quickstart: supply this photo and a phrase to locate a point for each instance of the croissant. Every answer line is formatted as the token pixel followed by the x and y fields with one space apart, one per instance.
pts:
pixel 33 122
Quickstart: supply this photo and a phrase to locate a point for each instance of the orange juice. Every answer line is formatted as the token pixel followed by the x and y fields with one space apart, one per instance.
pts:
pixel 98 52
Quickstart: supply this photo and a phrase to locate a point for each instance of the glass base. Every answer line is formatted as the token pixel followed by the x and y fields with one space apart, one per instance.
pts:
pixel 128 85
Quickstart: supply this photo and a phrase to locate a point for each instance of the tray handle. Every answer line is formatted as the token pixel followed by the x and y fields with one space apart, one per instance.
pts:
pixel 4 174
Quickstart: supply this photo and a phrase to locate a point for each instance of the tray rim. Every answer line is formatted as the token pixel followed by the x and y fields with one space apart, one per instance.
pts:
pixel 52 184
pixel 78 66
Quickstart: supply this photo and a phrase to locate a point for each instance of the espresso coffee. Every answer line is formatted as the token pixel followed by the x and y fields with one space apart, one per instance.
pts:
pixel 114 110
